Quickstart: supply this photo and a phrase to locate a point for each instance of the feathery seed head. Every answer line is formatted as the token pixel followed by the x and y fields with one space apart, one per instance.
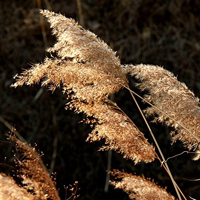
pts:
pixel 139 188
pixel 173 102
pixel 9 190
pixel 119 132
pixel 32 172
pixel 88 70
pixel 84 63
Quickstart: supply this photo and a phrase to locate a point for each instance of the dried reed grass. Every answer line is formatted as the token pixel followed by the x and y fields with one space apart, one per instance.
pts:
pixel 139 188
pixel 88 70
pixel 173 103
pixel 9 190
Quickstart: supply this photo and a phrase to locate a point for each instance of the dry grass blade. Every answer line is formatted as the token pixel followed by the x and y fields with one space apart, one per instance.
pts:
pixel 139 188
pixel 173 103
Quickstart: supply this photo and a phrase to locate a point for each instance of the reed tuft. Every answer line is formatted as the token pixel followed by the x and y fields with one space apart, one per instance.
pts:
pixel 89 71
pixel 173 103
pixel 119 132
pixel 138 187
pixel 32 172
pixel 9 189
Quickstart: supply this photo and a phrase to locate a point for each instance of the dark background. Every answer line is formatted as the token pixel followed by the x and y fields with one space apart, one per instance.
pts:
pixel 165 33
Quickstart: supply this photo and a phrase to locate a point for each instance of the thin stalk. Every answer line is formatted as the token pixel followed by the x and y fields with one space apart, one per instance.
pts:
pixel 108 171
pixel 158 147
pixel 80 12
pixel 109 161
pixel 12 129
pixel 175 182
pixel 42 25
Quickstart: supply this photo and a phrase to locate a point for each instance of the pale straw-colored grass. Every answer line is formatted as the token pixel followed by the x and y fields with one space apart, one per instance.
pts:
pixel 88 71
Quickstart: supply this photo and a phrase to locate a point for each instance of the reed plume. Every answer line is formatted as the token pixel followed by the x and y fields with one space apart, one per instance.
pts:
pixel 138 187
pixel 119 132
pixel 35 182
pixel 173 103
pixel 88 70
pixel 9 189
pixel 32 172
pixel 84 64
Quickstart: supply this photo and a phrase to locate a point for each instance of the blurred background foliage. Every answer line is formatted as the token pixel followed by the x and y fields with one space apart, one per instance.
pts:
pixel 163 33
